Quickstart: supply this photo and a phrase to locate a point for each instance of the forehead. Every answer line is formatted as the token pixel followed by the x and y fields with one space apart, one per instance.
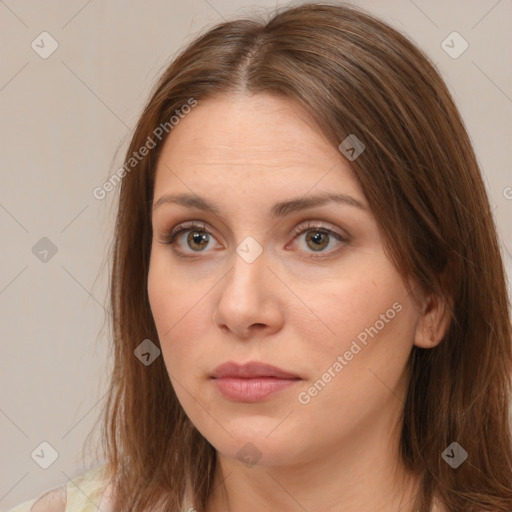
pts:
pixel 258 143
pixel 257 122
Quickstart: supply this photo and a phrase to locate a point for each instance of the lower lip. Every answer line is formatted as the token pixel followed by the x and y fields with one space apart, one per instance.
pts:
pixel 251 390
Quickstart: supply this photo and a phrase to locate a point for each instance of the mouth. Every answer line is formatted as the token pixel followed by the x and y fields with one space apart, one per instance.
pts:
pixel 251 382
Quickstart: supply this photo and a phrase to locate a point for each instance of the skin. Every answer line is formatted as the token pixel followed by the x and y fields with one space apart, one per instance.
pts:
pixel 339 451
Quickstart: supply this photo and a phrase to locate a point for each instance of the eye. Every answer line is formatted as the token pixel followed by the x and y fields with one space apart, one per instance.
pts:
pixel 197 239
pixel 318 237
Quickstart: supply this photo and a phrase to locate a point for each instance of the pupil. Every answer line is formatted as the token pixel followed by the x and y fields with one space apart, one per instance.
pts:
pixel 317 239
pixel 197 238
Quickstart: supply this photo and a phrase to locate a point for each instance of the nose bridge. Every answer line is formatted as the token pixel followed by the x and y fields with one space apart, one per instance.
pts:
pixel 248 270
pixel 247 297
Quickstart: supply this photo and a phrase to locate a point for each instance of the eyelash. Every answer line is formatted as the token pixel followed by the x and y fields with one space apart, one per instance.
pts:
pixel 170 238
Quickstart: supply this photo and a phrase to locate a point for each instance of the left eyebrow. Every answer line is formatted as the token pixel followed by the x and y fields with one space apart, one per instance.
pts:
pixel 278 210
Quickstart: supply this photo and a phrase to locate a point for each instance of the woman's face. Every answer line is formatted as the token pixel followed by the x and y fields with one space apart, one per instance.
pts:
pixel 265 279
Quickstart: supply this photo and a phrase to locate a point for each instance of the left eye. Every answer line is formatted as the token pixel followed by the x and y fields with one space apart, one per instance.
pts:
pixel 198 237
pixel 318 237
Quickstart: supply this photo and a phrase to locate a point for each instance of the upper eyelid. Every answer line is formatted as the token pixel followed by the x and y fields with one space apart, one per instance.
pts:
pixel 319 224
pixel 309 224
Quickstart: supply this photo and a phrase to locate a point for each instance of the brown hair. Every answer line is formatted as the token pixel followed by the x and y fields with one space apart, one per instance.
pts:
pixel 354 74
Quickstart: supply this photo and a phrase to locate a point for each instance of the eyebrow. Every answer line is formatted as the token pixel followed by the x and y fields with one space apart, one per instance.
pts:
pixel 278 210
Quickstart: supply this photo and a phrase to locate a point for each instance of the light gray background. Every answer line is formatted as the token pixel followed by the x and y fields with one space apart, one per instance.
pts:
pixel 66 121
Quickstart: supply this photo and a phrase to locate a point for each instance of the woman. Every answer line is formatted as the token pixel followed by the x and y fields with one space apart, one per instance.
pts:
pixel 309 301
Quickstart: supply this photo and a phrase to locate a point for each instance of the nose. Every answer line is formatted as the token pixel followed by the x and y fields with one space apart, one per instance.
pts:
pixel 249 301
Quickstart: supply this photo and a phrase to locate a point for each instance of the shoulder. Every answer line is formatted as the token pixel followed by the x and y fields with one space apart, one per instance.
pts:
pixel 91 491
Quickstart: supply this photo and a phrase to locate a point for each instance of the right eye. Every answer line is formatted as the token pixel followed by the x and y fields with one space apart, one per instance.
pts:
pixel 197 238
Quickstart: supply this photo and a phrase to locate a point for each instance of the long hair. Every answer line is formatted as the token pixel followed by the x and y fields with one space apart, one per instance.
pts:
pixel 353 74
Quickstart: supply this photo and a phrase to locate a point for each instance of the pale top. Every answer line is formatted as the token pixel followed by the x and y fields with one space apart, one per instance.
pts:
pixel 92 491
pixel 89 492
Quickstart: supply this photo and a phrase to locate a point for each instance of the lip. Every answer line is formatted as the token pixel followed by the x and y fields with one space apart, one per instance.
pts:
pixel 250 370
pixel 251 382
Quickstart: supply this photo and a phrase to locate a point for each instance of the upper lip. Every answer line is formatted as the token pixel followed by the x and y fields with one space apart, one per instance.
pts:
pixel 249 370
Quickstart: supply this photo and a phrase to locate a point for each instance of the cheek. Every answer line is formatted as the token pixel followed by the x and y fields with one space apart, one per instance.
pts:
pixel 371 302
pixel 367 357
pixel 180 314
pixel 321 319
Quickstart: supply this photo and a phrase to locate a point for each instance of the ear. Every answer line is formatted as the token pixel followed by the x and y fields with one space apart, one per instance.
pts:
pixel 433 322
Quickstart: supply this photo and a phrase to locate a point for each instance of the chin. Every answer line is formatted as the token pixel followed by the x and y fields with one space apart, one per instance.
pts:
pixel 254 447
